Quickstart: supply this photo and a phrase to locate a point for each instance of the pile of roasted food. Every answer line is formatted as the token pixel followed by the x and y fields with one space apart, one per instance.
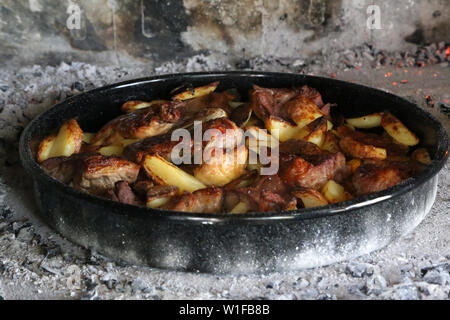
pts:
pixel 319 156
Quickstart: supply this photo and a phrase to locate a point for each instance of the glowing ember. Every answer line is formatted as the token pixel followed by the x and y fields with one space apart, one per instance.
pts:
pixel 447 52
pixel 333 75
pixel 394 83
pixel 404 81
pixel 387 75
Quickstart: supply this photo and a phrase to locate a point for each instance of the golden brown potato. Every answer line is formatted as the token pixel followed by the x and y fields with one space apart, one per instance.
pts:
pixel 45 147
pixel 196 92
pixel 421 155
pixel 311 198
pixel 317 132
pixel 354 164
pixel 281 129
pixel 330 143
pixel 111 150
pixel 334 192
pixel 303 110
pixel 241 207
pixel 166 173
pixel 131 106
pixel 366 122
pixel 87 137
pixel 67 142
pixel 359 150
pixel 397 130
pixel 260 138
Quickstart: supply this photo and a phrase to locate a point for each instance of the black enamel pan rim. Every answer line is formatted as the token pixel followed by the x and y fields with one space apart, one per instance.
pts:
pixel 429 172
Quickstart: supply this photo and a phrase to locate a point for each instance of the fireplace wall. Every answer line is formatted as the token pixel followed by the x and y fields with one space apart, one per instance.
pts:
pixel 133 32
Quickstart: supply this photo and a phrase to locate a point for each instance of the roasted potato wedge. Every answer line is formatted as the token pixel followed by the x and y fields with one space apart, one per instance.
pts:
pixel 67 142
pixel 131 106
pixel 156 203
pixel 421 155
pixel 241 207
pixel 334 192
pixel 311 198
pixel 260 138
pixel 354 164
pixel 330 143
pixel 45 147
pixel 303 111
pixel 88 137
pixel 196 92
pixel 397 130
pixel 111 150
pixel 366 122
pixel 359 150
pixel 317 132
pixel 166 173
pixel 280 129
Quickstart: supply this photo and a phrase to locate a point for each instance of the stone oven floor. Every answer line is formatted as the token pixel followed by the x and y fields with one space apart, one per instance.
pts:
pixel 37 263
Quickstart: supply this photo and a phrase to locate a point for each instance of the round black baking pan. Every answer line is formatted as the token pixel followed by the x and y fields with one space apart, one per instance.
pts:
pixel 223 243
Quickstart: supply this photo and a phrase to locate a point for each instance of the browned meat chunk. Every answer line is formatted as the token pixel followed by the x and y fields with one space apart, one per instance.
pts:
pixel 159 145
pixel 299 148
pixel 141 187
pixel 313 171
pixel 267 102
pixel 312 94
pixel 98 172
pixel 207 200
pixel 60 168
pixel 139 124
pixel 122 193
pixel 369 178
pixel 92 172
pixel 269 193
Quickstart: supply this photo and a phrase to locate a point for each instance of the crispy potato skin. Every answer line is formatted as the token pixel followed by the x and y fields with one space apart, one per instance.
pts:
pixel 68 141
pixel 303 110
pixel 310 198
pixel 359 150
pixel 397 130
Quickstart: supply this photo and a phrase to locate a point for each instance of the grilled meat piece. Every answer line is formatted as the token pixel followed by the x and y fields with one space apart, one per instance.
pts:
pixel 312 171
pixel 224 159
pixel 374 175
pixel 141 187
pixel 92 172
pixel 207 200
pixel 97 173
pixel 267 102
pixel 123 193
pixel 299 148
pixel 269 193
pixel 159 145
pixel 139 124
pixel 61 168
pixel 370 178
